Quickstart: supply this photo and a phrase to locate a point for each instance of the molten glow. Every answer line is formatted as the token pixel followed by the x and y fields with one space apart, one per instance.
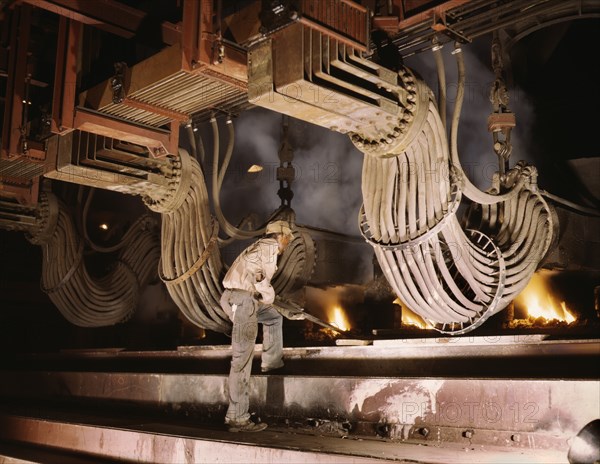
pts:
pixel 538 301
pixel 255 168
pixel 338 318
pixel 410 318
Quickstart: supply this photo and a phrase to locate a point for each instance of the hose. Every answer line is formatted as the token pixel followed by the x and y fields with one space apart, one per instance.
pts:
pixel 570 204
pixel 441 72
pixel 217 181
pixel 470 190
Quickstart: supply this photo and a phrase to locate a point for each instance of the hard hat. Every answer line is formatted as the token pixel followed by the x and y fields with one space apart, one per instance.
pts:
pixel 279 227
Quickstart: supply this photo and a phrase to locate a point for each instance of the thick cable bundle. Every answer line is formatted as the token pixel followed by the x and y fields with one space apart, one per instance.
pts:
pixel 82 299
pixel 454 279
pixel 296 265
pixel 191 263
pixel 523 228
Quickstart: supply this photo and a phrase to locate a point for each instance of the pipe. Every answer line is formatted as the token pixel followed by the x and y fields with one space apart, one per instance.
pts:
pixel 570 204
pixel 439 63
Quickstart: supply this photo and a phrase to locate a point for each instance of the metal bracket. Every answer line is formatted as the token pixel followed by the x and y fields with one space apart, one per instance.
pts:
pixel 118 81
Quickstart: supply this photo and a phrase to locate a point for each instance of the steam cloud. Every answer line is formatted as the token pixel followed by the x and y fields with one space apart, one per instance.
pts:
pixel 474 141
pixel 328 167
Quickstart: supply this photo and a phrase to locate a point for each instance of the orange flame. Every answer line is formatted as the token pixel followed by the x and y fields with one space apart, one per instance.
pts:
pixel 338 318
pixel 539 302
pixel 411 318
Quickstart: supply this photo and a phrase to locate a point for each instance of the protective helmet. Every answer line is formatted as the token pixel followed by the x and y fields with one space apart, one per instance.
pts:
pixel 279 227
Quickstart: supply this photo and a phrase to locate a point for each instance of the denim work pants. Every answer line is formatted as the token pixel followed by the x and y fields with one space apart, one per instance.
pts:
pixel 246 312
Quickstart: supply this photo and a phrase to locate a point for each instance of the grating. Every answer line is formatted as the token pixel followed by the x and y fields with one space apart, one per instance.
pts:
pixel 21 169
pixel 183 93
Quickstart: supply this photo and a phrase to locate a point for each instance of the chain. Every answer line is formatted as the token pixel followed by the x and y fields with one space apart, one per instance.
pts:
pixel 285 172
pixel 501 120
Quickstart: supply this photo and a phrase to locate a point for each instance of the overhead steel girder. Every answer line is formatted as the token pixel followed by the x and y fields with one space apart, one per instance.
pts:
pixel 65 75
pixel 20 25
pixel 413 29
pixel 21 161
pixel 108 15
pixel 200 74
pixel 407 13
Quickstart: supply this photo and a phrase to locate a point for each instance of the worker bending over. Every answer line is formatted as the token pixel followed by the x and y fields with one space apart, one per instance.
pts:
pixel 247 300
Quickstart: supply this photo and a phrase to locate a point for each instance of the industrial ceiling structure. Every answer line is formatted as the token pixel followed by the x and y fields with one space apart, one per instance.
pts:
pixel 120 95
pixel 97 94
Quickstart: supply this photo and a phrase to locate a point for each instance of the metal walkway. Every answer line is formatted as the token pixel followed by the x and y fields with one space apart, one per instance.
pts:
pixel 330 404
pixel 121 439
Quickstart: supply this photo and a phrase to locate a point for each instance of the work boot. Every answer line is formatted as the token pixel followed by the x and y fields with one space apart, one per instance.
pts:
pixel 246 426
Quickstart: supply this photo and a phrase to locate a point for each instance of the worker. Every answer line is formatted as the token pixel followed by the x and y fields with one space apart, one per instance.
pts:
pixel 247 300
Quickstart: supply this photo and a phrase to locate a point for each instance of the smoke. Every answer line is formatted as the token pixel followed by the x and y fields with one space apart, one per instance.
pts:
pixel 327 167
pixel 327 192
pixel 257 136
pixel 474 141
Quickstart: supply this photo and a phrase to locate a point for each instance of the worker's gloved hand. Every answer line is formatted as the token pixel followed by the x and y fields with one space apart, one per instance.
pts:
pixel 295 315
pixel 289 309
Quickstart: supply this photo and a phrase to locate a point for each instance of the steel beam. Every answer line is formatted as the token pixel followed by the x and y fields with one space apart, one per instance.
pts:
pixel 138 440
pixel 411 13
pixel 489 411
pixel 108 15
pixel 488 357
pixel 65 75
pixel 16 83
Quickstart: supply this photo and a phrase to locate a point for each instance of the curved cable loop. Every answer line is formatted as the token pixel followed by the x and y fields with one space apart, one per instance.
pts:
pixel 460 328
pixel 454 279
pixel 470 190
pixel 85 300
pixel 423 236
pixel 73 267
pixel 191 263
pixel 125 240
pixel 296 265
pixel 197 265
pixel 217 180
